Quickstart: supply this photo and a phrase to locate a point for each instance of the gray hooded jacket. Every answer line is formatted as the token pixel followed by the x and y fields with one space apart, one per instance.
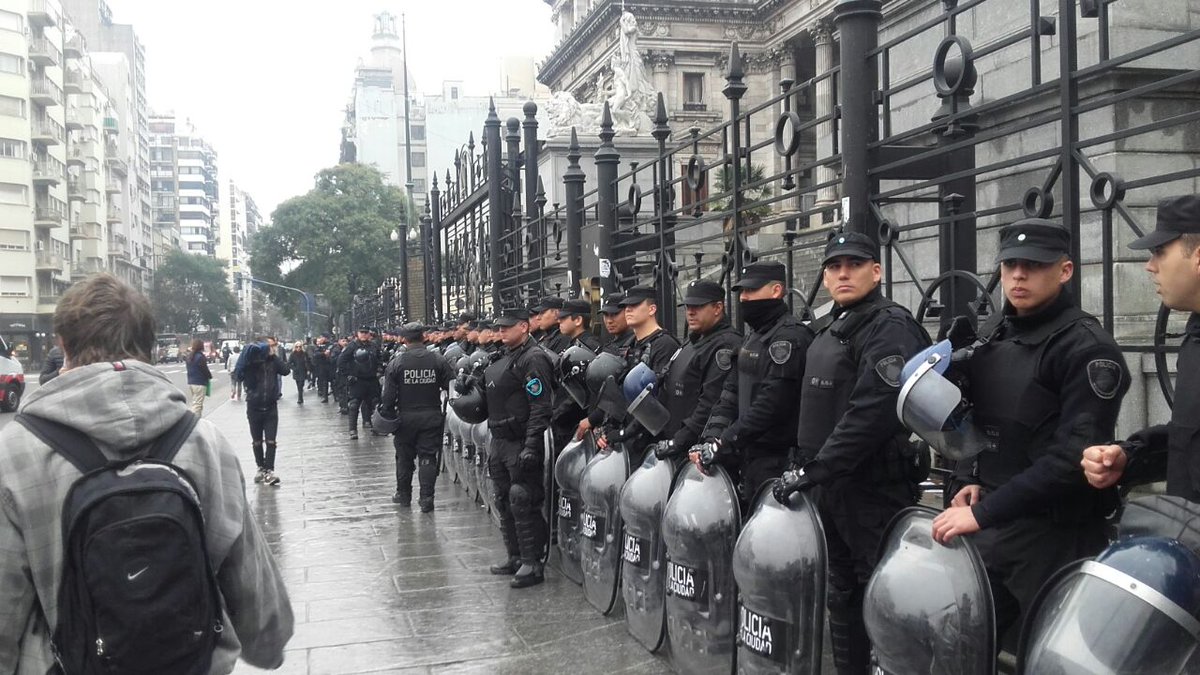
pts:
pixel 122 410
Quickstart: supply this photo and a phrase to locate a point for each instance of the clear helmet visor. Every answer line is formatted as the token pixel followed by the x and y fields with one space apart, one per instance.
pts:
pixel 932 407
pixel 649 412
pixel 1099 620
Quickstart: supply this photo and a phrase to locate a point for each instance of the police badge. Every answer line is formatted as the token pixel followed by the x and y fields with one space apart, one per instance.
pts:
pixel 534 387
pixel 724 358
pixel 1105 377
pixel 889 369
pixel 780 351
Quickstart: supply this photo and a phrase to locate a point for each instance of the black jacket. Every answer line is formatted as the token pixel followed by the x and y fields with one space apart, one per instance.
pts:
pixel 265 393
pixel 299 364
pixel 692 389
pixel 517 387
pixel 414 381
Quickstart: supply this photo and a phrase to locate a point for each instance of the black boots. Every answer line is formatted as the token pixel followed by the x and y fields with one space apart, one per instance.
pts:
pixel 426 504
pixel 509 566
pixel 529 574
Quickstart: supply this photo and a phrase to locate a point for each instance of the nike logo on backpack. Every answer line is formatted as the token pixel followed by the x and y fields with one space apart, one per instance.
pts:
pixel 136 574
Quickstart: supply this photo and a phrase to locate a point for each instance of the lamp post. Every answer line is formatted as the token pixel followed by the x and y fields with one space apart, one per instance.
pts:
pixel 400 235
pixel 427 266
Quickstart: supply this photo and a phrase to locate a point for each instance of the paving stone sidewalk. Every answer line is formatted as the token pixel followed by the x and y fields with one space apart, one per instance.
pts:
pixel 377 588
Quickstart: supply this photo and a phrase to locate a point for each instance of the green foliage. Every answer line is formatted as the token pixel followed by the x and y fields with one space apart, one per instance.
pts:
pixel 191 291
pixel 724 183
pixel 340 228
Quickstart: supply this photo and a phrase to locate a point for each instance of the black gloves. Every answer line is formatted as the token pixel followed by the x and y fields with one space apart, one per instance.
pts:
pixel 666 450
pixel 792 481
pixel 960 332
pixel 528 461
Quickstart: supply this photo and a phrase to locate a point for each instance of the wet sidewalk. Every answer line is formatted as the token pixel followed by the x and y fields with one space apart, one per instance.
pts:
pixel 377 588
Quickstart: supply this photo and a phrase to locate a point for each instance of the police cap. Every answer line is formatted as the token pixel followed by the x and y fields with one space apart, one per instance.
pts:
pixel 851 244
pixel 759 274
pixel 548 302
pixel 412 331
pixel 575 307
pixel 512 316
pixel 637 295
pixel 1177 216
pixel 702 292
pixel 1035 239
pixel 612 303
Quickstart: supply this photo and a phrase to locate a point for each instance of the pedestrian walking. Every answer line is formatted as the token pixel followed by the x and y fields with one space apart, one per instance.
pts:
pixel 114 404
pixel 360 363
pixel 235 385
pixel 261 370
pixel 53 364
pixel 198 376
pixel 301 366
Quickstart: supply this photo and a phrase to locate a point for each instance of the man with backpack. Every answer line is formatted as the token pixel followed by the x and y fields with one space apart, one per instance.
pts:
pixel 75 548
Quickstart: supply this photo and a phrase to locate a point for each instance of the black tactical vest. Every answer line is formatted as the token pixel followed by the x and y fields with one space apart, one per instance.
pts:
pixel 415 377
pixel 507 403
pixel 683 386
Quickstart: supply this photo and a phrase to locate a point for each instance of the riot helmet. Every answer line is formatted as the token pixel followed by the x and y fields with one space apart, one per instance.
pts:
pixel 1135 608
pixel 639 378
pixel 572 373
pixel 453 353
pixel 604 366
pixel 639 390
pixel 934 408
pixel 382 425
pixel 471 407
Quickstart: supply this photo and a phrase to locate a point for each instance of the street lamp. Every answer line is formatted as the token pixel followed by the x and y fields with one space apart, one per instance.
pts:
pixel 401 236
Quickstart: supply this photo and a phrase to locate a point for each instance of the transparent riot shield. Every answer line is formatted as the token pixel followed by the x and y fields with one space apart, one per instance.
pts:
pixel 600 527
pixel 779 563
pixel 450 453
pixel 468 457
pixel 549 490
pixel 643 565
pixel 483 476
pixel 928 607
pixel 699 527
pixel 568 472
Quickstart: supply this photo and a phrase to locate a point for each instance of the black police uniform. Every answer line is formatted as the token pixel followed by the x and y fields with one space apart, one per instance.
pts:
pixel 854 450
pixel 323 369
pixel 412 389
pixel 696 374
pixel 360 363
pixel 338 383
pixel 518 401
pixel 554 340
pixel 755 419
pixel 568 413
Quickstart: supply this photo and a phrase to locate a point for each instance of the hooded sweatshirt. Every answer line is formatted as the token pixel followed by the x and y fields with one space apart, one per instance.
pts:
pixel 123 410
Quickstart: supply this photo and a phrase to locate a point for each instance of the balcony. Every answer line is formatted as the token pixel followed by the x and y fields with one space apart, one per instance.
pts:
pixel 73 121
pixel 47 132
pixel 52 300
pixel 49 262
pixel 73 49
pixel 73 81
pixel 45 92
pixel 86 267
pixel 694 106
pixel 112 186
pixel 42 14
pixel 75 189
pixel 117 165
pixel 110 125
pixel 48 213
pixel 87 231
pixel 46 172
pixel 114 214
pixel 43 53
pixel 76 157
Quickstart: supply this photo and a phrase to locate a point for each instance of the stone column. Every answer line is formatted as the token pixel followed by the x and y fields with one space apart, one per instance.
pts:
pixel 660 63
pixel 822 35
pixel 785 69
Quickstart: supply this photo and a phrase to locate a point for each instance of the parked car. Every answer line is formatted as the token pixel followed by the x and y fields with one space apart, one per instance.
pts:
pixel 12 379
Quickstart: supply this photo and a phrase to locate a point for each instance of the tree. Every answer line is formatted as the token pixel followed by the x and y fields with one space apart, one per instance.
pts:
pixel 191 291
pixel 340 228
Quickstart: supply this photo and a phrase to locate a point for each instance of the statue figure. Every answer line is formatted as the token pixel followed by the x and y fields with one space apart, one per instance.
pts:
pixel 630 97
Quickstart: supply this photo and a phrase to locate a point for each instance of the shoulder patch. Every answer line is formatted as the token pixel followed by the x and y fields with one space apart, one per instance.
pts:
pixel 534 387
pixel 724 358
pixel 1105 377
pixel 889 369
pixel 780 351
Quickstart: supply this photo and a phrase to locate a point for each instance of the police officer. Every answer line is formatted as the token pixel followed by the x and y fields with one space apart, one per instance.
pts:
pixel 339 375
pixel 323 366
pixel 651 345
pixel 850 444
pixel 1045 382
pixel 545 316
pixel 574 323
pixel 360 363
pixel 754 423
pixel 697 372
pixel 619 340
pixel 518 400
pixel 1168 452
pixel 412 393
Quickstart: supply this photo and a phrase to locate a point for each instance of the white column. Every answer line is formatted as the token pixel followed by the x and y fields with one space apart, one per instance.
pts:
pixel 822 34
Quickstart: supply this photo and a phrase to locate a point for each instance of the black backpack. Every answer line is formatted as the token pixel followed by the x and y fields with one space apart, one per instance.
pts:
pixel 138 593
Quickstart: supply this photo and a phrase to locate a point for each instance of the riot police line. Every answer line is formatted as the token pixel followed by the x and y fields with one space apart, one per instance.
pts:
pixel 725 550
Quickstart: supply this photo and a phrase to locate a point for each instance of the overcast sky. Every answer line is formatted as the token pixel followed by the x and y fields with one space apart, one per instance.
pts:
pixel 267 81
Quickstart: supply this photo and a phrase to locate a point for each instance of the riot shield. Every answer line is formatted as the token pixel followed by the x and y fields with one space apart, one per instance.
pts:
pixel 779 563
pixel 600 527
pixel 568 472
pixel 549 490
pixel 928 607
pixel 699 527
pixel 1133 609
pixel 643 565
pixel 483 476
pixel 468 457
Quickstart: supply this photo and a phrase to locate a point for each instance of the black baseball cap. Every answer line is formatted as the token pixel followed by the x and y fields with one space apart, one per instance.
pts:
pixel 512 316
pixel 702 292
pixel 637 295
pixel 1177 216
pixel 575 307
pixel 412 331
pixel 851 244
pixel 759 274
pixel 364 329
pixel 1035 239
pixel 612 303
pixel 548 302
pixel 466 317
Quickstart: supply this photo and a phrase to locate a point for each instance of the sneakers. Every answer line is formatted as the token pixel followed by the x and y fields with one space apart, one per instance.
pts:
pixel 258 477
pixel 530 574
pixel 509 566
pixel 269 478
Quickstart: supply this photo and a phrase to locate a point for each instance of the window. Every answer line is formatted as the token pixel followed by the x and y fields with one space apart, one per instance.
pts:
pixel 14 286
pixel 14 193
pixel 14 240
pixel 418 185
pixel 453 93
pixel 11 148
pixel 418 159
pixel 12 21
pixel 12 106
pixel 690 197
pixel 11 63
pixel 693 91
pixel 418 132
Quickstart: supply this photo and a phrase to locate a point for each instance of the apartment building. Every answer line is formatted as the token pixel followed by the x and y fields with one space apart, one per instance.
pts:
pixel 184 192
